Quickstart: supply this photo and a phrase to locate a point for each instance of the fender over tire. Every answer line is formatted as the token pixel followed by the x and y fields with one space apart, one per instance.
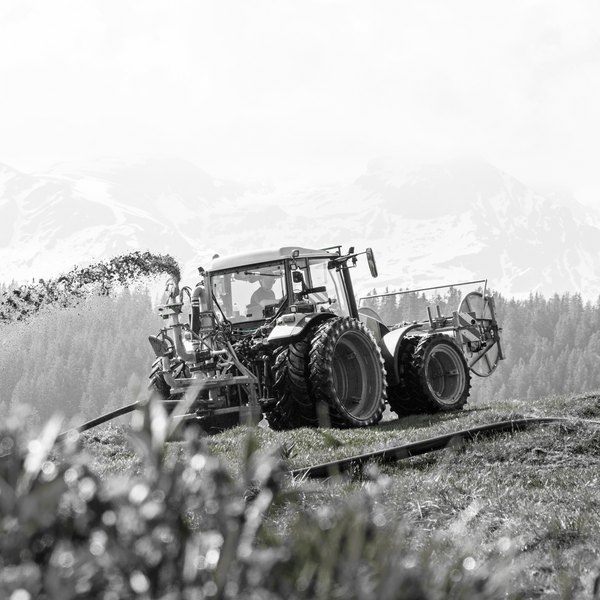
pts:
pixel 347 374
pixel 436 378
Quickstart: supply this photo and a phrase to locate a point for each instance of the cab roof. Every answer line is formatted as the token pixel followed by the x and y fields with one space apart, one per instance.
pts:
pixel 244 259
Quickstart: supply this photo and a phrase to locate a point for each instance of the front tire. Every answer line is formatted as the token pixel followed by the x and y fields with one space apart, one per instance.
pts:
pixel 347 373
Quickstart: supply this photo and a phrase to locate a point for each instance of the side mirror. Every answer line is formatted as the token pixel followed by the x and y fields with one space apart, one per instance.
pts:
pixel 353 258
pixel 371 261
pixel 297 277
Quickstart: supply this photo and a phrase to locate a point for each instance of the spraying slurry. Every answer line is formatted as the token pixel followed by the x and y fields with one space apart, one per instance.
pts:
pixel 99 278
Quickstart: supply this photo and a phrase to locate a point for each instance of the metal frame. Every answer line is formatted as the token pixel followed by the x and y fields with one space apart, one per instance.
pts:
pixel 451 324
pixel 426 289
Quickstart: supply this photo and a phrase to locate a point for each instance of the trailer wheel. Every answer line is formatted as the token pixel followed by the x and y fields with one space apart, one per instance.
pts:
pixel 294 407
pixel 437 377
pixel 347 373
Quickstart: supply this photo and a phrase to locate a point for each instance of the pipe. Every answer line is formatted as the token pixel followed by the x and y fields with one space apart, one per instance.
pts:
pixel 411 449
pixel 388 455
pixel 352 306
pixel 100 420
pixel 199 304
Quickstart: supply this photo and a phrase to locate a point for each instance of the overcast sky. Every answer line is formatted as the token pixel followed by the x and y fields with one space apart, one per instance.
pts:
pixel 305 90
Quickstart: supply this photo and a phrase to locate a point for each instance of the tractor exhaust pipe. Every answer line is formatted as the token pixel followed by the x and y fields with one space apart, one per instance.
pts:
pixel 200 310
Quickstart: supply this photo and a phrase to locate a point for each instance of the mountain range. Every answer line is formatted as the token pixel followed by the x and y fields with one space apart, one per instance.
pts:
pixel 433 224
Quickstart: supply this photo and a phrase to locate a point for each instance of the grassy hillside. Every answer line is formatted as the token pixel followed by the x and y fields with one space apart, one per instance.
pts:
pixel 507 516
pixel 514 514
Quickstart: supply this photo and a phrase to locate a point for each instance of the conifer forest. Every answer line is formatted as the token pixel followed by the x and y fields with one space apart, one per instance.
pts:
pixel 99 355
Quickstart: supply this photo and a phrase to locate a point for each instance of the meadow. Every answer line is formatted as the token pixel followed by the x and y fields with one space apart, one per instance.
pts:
pixel 120 512
pixel 510 515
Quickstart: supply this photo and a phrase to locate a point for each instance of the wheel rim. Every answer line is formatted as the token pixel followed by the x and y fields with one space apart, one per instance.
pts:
pixel 445 374
pixel 356 376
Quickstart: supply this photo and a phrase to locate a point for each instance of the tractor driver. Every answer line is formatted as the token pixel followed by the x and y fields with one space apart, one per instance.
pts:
pixel 264 294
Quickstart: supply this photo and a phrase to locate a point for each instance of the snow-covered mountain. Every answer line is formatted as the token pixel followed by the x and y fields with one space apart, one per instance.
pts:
pixel 435 224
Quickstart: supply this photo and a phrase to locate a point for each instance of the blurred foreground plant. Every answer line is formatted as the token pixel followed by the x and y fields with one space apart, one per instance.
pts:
pixel 185 529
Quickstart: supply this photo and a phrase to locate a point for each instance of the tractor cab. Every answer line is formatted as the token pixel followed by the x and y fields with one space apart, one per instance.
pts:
pixel 252 288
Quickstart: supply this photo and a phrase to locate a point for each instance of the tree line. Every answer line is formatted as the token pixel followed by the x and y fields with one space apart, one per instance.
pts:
pixel 83 361
pixel 79 361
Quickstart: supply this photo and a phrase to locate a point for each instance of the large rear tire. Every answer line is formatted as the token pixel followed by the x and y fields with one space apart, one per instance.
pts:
pixel 347 374
pixel 294 407
pixel 437 377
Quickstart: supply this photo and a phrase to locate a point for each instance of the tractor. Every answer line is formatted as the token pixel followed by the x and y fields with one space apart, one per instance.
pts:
pixel 279 334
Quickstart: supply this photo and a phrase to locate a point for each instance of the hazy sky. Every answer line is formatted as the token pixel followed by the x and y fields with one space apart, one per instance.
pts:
pixel 305 90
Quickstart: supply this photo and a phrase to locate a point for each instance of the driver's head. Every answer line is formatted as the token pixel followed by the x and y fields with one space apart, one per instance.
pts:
pixel 267 282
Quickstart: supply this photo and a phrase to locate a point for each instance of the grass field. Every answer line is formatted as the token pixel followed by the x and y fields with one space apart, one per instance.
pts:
pixel 516 515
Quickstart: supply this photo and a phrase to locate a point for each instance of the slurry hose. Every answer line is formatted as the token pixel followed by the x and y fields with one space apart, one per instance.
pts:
pixel 113 414
pixel 387 455
pixel 411 449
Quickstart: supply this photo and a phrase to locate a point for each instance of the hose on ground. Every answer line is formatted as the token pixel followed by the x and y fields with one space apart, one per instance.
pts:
pixel 387 455
pixel 411 449
pixel 113 414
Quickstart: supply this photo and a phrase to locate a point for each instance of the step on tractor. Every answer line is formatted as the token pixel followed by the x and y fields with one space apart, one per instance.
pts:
pixel 280 334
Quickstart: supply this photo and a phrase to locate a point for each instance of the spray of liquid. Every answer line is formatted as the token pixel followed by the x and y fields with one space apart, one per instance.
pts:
pixel 99 278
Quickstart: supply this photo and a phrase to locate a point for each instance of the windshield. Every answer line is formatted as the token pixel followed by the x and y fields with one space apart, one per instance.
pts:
pixel 320 285
pixel 250 293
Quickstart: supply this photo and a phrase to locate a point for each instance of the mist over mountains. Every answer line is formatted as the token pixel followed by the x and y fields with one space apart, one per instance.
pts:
pixel 430 225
